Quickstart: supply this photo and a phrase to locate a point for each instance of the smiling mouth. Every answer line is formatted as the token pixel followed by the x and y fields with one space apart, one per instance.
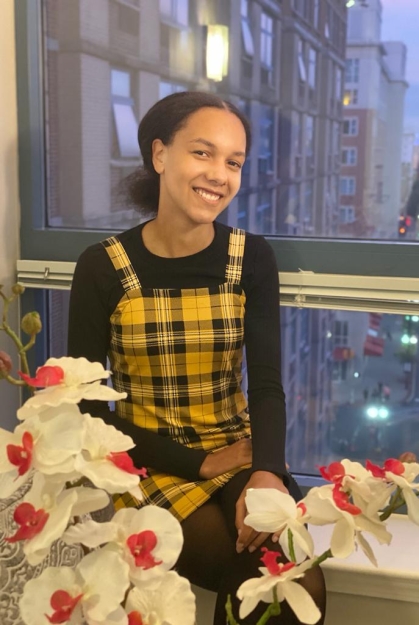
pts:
pixel 208 195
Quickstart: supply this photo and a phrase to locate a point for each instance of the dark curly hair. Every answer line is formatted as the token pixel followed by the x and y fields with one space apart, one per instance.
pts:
pixel 162 121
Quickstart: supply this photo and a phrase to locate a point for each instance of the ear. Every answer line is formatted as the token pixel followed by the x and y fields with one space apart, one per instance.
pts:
pixel 158 153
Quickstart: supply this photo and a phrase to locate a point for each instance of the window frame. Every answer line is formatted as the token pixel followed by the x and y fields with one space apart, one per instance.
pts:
pixel 351 257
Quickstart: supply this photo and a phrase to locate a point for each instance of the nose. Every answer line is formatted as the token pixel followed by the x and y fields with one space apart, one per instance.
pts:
pixel 217 172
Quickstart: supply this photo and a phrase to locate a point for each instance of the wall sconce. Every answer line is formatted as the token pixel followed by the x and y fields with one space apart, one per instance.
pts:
pixel 217 51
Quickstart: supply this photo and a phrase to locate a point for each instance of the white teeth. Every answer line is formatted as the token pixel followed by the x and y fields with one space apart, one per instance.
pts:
pixel 207 196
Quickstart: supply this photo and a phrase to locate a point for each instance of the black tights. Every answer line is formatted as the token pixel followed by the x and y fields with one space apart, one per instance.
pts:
pixel 209 558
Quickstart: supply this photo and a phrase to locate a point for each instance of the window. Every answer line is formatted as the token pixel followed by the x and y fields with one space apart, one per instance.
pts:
pixel 124 117
pixel 312 62
pixel 347 185
pixel 78 114
pixel 352 70
pixel 349 156
pixel 128 20
pixel 350 126
pixel 167 88
pixel 266 141
pixel 346 214
pixel 350 97
pixel 266 40
pixel 301 61
pixel 243 211
pixel 247 36
pixel 176 11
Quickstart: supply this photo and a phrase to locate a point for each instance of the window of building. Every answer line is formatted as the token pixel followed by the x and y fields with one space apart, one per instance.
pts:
pixel 266 40
pixel 350 97
pixel 177 11
pixel 167 88
pixel 349 156
pixel 128 20
pixel 346 214
pixel 302 72
pixel 264 212
pixel 266 140
pixel 243 211
pixel 247 37
pixel 123 112
pixel 350 126
pixel 347 185
pixel 312 66
pixel 352 70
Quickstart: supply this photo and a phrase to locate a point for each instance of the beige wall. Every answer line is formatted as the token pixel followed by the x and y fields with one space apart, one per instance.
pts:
pixel 9 201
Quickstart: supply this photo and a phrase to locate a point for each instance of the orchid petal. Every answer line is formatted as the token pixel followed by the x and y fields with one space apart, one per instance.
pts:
pixel 172 602
pixel 412 503
pixel 37 592
pixel 110 588
pixel 91 533
pixel 301 603
pixel 342 543
pixel 366 548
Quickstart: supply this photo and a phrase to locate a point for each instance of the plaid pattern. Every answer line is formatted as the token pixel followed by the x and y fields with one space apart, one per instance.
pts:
pixel 178 354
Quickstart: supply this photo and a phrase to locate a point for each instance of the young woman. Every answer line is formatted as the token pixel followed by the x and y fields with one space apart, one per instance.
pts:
pixel 172 302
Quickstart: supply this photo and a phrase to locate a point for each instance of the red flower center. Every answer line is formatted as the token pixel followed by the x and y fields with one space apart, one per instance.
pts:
pixel 343 502
pixel 31 522
pixel 63 605
pixel 141 545
pixel 134 618
pixel 275 568
pixel 335 472
pixel 21 457
pixel 45 376
pixel 391 464
pixel 124 462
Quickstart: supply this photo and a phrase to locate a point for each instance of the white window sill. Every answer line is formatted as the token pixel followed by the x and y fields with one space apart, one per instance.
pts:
pixel 397 575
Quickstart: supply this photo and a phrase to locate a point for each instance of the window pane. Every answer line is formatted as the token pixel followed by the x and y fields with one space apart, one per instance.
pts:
pixel 351 380
pixel 352 386
pixel 360 98
pixel 120 83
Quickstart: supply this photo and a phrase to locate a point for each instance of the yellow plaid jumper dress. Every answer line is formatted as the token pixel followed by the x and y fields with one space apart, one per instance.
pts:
pixel 177 353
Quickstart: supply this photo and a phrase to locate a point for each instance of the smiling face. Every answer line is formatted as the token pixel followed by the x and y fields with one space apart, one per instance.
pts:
pixel 200 170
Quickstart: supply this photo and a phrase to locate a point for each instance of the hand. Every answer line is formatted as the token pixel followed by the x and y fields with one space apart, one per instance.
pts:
pixel 247 536
pixel 223 460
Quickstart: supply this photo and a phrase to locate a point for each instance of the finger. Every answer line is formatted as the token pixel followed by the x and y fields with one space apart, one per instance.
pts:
pixel 258 541
pixel 246 537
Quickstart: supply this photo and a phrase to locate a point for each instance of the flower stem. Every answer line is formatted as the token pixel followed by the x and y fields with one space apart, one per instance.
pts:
pixel 274 609
pixel 291 546
pixel 322 558
pixel 396 502
pixel 229 612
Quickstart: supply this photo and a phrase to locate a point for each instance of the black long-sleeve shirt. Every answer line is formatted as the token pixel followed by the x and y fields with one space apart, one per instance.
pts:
pixel 96 291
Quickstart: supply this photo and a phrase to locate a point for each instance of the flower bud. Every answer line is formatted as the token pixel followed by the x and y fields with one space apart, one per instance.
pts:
pixel 408 456
pixel 5 364
pixel 31 323
pixel 18 288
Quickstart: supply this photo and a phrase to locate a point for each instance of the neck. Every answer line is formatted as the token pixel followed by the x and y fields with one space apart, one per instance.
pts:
pixel 164 239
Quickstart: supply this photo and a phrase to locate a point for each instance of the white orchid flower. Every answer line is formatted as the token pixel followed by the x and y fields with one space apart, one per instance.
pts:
pixel 282 578
pixel 402 475
pixel 172 602
pixel 150 539
pixel 72 380
pixel 91 593
pixel 104 460
pixel 270 510
pixel 325 508
pixel 45 512
pixel 49 446
pixel 368 493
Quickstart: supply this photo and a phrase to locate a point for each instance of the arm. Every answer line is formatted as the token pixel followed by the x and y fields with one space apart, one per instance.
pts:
pixel 94 294
pixel 266 394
